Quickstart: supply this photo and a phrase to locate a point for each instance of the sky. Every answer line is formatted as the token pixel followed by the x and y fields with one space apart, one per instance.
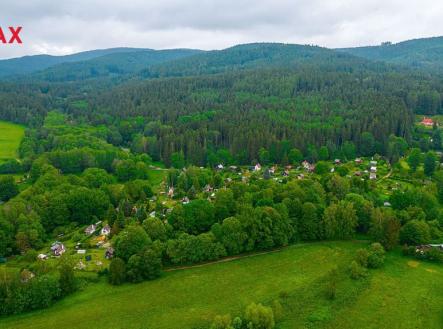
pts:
pixel 64 27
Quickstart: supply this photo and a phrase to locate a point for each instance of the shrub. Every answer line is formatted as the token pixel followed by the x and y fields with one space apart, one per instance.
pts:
pixel 356 271
pixel 376 255
pixel 361 257
pixel 415 232
pixel 117 271
pixel 258 316
pixel 331 285
pixel 221 322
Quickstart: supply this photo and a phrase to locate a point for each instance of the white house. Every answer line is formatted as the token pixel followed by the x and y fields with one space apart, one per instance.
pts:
pixel 90 229
pixel 106 230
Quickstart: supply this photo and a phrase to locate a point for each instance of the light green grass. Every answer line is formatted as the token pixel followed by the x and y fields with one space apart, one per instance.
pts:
pixel 10 138
pixel 397 296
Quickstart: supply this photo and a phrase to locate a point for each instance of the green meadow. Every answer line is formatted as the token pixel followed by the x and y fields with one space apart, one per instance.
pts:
pixel 10 138
pixel 403 294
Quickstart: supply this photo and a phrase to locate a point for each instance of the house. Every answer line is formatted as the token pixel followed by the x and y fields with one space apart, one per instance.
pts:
pixel 207 188
pixel 233 168
pixel 285 173
pixel 301 176
pixel 272 170
pixel 358 160
pixel 42 257
pixel 90 229
pixel 152 214
pixel 58 248
pixel 106 230
pixel 185 200
pixel 373 169
pixel 257 167
pixel 220 166
pixel 372 176
pixel 373 163
pixel 358 173
pixel 386 204
pixel 332 169
pixel 171 192
pixel 337 161
pixel 109 253
pixel 305 164
pixel 81 251
pixel 309 167
pixel 428 122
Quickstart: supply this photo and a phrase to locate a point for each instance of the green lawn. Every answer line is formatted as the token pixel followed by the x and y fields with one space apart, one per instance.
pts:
pixel 403 294
pixel 10 138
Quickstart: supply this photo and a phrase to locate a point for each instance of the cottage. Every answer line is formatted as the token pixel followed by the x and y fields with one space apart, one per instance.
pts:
pixel 90 229
pixel 337 161
pixel 208 188
pixel 106 230
pixel 257 167
pixel 42 256
pixel 81 251
pixel 285 173
pixel 152 214
pixel 428 122
pixel 358 160
pixel 386 204
pixel 233 168
pixel 373 163
pixel 109 253
pixel 185 200
pixel 58 248
pixel 373 169
pixel 220 167
pixel 171 192
pixel 357 173
pixel 372 176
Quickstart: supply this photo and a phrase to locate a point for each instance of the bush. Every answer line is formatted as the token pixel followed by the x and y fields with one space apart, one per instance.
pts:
pixel 415 232
pixel 356 271
pixel 331 285
pixel 117 271
pixel 376 255
pixel 258 316
pixel 221 322
pixel 361 257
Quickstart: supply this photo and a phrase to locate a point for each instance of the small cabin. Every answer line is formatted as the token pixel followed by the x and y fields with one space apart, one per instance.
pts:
pixel 58 248
pixel 428 122
pixel 90 229
pixel 106 230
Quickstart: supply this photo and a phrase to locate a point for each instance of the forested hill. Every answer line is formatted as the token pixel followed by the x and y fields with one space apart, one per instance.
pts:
pixel 424 53
pixel 251 56
pixel 111 65
pixel 238 100
pixel 30 64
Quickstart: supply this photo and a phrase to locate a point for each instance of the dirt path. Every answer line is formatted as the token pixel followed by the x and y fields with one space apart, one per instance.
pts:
pixel 224 260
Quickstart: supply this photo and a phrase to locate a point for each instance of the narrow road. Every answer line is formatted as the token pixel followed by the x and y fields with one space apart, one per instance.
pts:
pixel 223 260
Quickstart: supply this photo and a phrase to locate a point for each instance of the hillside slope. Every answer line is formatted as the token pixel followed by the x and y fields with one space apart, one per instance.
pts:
pixel 424 53
pixel 30 64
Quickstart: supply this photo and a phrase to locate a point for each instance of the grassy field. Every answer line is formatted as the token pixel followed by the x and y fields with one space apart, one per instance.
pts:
pixel 404 294
pixel 10 137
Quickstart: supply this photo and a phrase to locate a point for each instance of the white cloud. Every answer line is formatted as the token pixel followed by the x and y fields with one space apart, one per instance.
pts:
pixel 68 26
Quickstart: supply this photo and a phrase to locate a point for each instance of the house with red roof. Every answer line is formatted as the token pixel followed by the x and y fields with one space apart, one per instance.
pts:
pixel 427 122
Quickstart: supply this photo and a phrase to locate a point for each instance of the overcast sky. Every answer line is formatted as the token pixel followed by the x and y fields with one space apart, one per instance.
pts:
pixel 63 27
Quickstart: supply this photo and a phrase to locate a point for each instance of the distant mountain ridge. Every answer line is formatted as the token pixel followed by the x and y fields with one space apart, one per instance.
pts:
pixel 426 53
pixel 146 63
pixel 30 64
